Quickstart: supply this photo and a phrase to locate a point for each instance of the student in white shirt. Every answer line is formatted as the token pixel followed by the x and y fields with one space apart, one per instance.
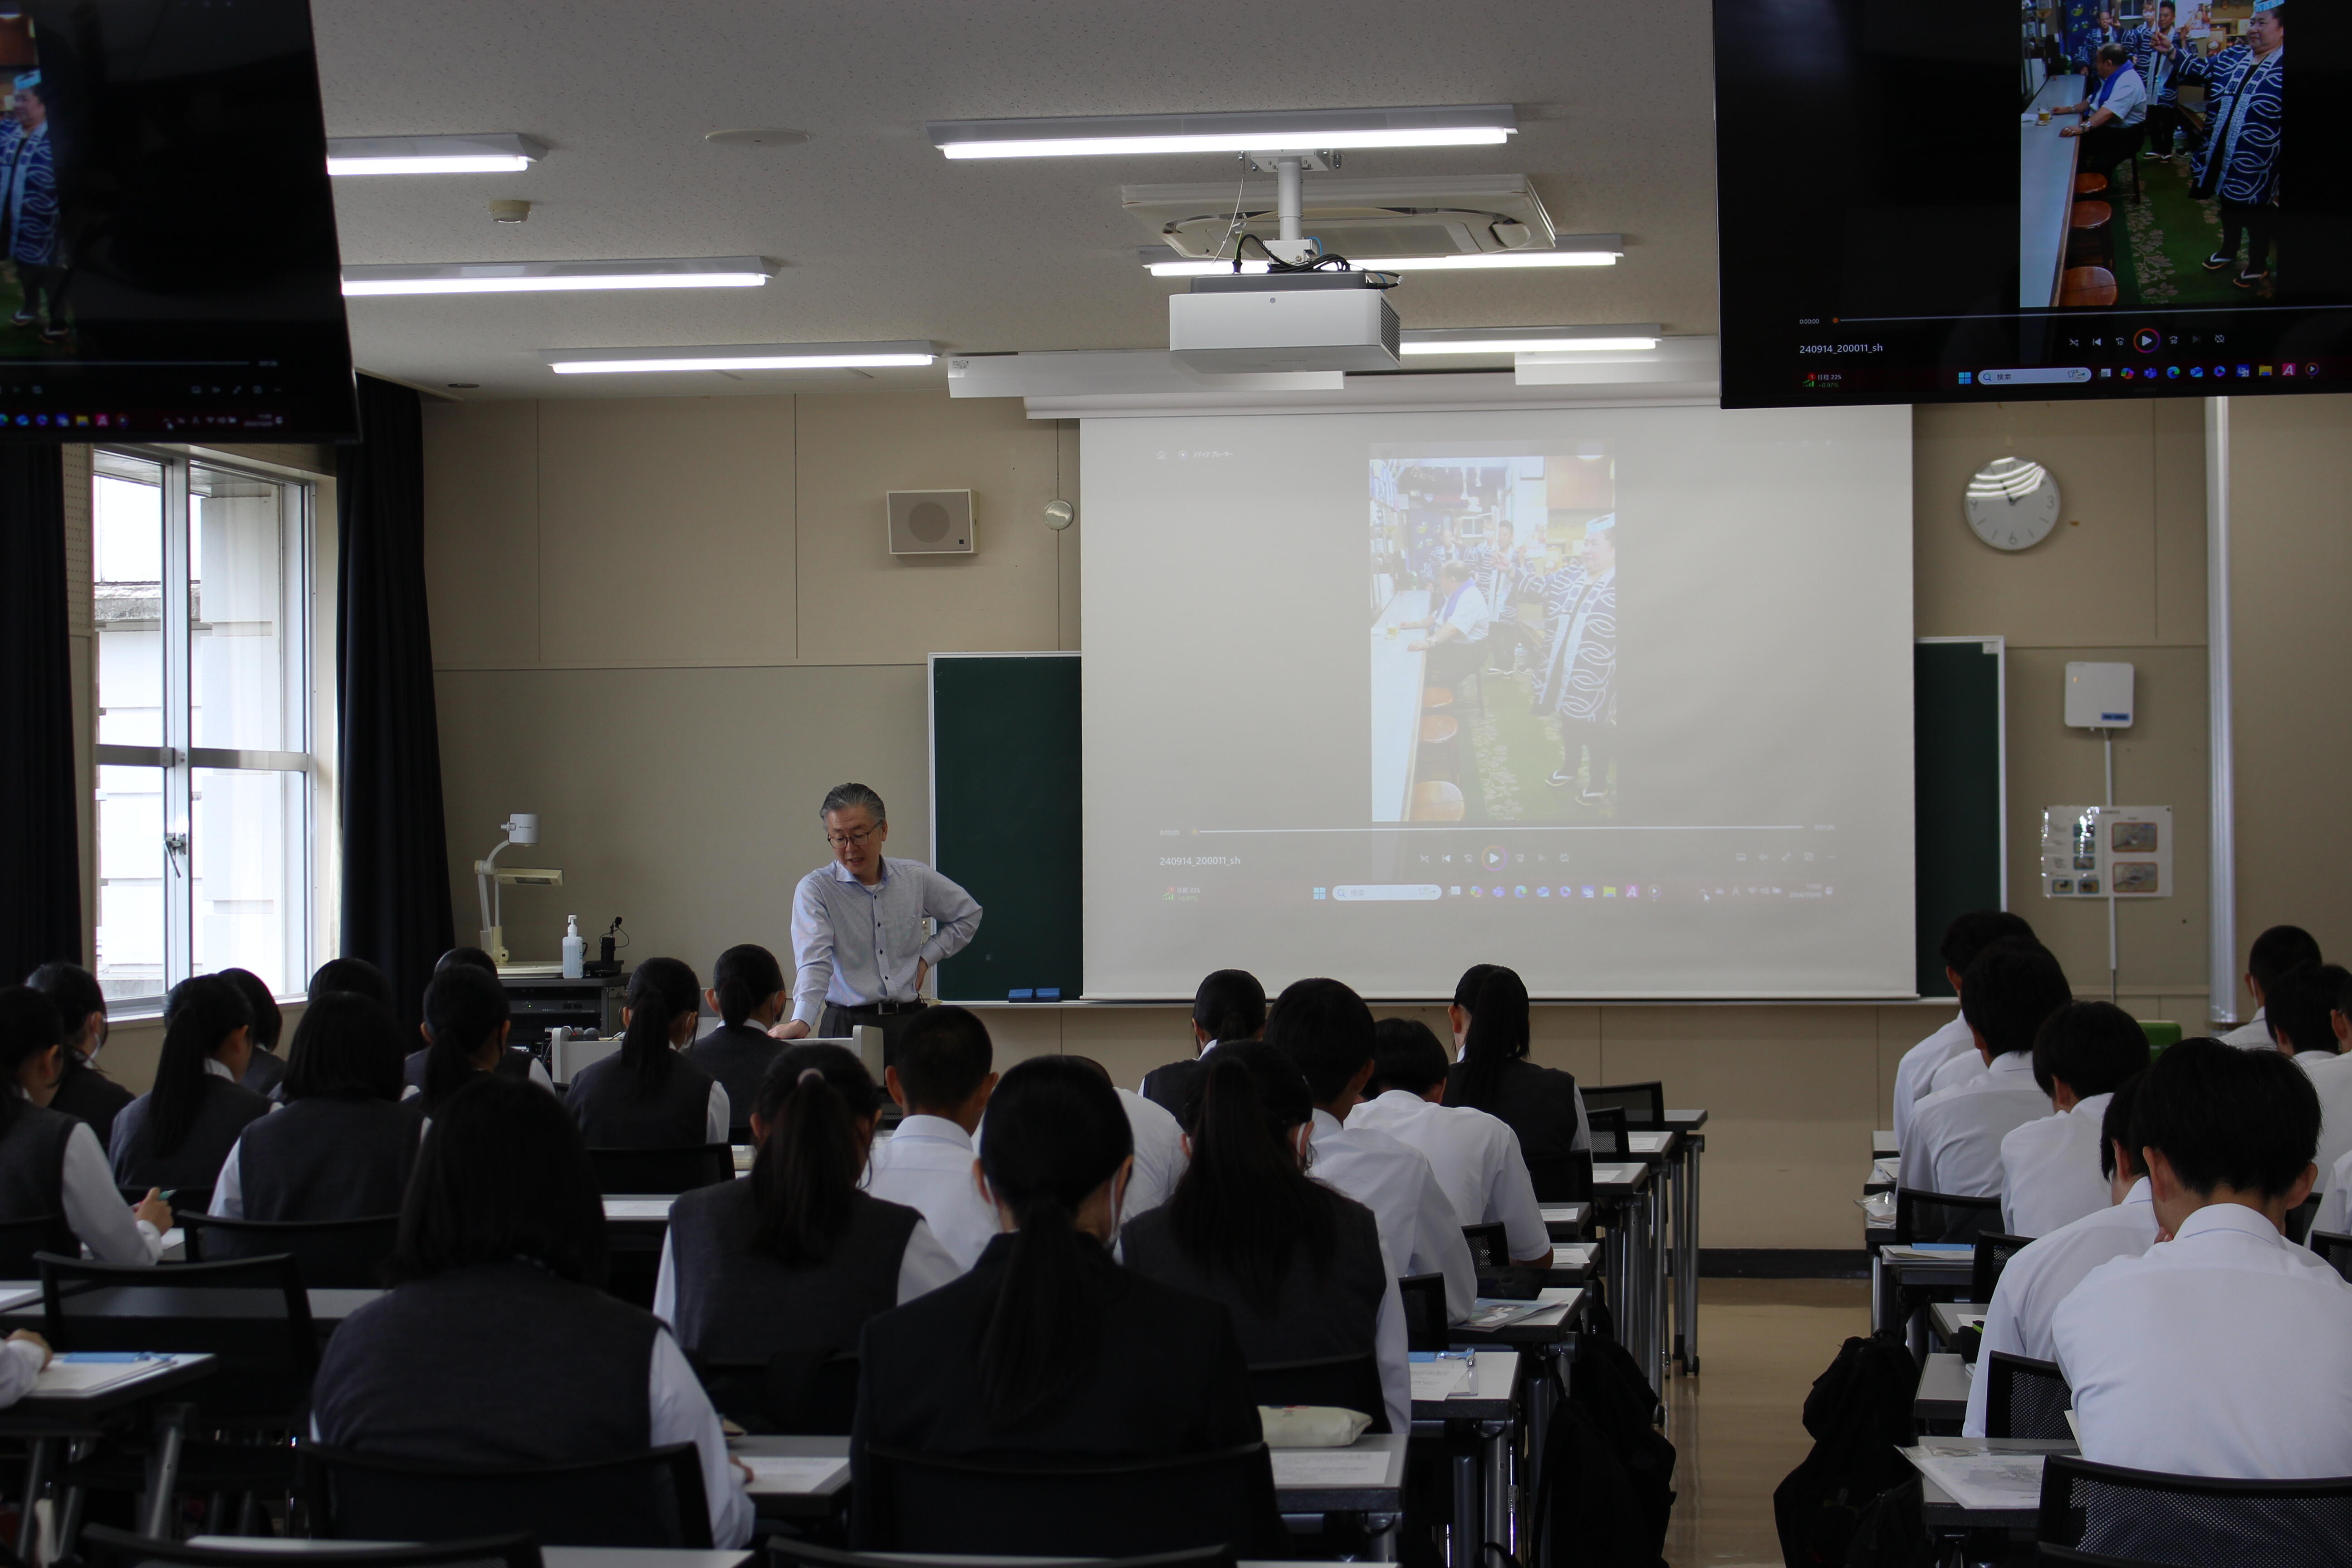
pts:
pixel 2051 1167
pixel 1476 1156
pixel 942 1081
pixel 1956 1133
pixel 1326 1029
pixel 1160 1154
pixel 1968 935
pixel 2279 951
pixel 2299 1011
pixel 2039 1276
pixel 2225 1351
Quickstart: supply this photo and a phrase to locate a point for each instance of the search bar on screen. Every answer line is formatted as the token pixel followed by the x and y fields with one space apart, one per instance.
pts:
pixel 1387 892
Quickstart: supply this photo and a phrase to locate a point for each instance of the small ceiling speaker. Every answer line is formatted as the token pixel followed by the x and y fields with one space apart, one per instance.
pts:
pixel 931 522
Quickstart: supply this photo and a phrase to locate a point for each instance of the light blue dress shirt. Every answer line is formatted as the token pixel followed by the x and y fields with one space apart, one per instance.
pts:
pixel 857 945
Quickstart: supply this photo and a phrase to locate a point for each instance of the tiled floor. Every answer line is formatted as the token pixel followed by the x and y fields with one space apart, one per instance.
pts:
pixel 1737 1426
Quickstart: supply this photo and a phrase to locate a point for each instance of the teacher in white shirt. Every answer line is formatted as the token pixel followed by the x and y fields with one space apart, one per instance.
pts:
pixel 857 927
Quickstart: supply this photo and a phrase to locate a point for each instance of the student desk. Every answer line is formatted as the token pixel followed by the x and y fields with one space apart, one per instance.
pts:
pixel 46 1420
pixel 1894 1268
pixel 550 1556
pixel 1946 1517
pixel 1883 1146
pixel 122 1305
pixel 1633 1262
pixel 1689 1123
pixel 1568 1222
pixel 1942 1400
pixel 1666 1153
pixel 801 1491
pixel 1297 1489
pixel 1545 1340
pixel 1948 1318
pixel 1574 1263
pixel 1482 1473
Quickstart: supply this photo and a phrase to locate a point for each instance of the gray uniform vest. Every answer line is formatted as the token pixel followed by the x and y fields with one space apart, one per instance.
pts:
pixel 605 1101
pixel 738 1308
pixel 738 1057
pixel 222 1112
pixel 328 1156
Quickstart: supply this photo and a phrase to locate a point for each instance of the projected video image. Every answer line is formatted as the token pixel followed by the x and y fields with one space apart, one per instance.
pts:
pixel 1493 634
pixel 2195 104
pixel 33 312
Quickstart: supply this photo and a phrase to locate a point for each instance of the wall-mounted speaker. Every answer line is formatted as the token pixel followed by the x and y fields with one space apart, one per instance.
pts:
pixel 931 522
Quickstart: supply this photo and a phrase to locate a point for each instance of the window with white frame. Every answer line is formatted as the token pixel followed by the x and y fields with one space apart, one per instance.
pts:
pixel 202 573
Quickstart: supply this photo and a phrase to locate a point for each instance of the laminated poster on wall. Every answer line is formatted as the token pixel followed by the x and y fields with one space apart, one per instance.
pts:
pixel 2098 851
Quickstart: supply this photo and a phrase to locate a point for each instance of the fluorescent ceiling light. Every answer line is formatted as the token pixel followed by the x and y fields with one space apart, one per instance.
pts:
pixel 1530 339
pixel 544 277
pixel 499 152
pixel 1572 250
pixel 739 356
pixel 1310 130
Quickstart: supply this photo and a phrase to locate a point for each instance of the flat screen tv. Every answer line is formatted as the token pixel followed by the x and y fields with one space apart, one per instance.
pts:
pixel 168 266
pixel 1980 200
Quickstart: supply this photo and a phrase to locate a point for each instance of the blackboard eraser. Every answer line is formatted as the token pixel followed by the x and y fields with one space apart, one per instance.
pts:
pixel 1049 993
pixel 1022 995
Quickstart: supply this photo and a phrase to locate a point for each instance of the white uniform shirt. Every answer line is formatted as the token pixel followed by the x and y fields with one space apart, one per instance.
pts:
pixel 2255 1034
pixel 853 944
pixel 20 1367
pixel 1918 1065
pixel 927 1165
pixel 94 1208
pixel 2050 1170
pixel 1477 1161
pixel 1418 1227
pixel 2127 96
pixel 2331 1075
pixel 2335 1191
pixel 1160 1158
pixel 2224 1352
pixel 2044 1275
pixel 1961 1066
pixel 1956 1133
pixel 923 1268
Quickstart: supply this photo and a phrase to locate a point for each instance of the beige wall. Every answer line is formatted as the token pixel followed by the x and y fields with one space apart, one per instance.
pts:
pixel 668 625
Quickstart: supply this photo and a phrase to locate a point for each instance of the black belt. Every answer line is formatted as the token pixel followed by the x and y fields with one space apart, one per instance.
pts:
pixel 883 1009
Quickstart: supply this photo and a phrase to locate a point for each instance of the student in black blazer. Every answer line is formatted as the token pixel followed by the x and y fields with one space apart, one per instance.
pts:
pixel 265 1069
pixel 1230 1005
pixel 341 1144
pixel 1495 1075
pixel 466 1021
pixel 83 1091
pixel 747 992
pixel 1299 1265
pixel 178 1133
pixel 646 1095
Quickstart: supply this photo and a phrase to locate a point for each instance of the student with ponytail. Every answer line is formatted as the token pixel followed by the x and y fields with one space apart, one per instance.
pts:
pixel 647 1095
pixel 83 1091
pixel 796 1259
pixel 1541 1104
pixel 50 1163
pixel 747 991
pixel 1299 1266
pixel 1047 1350
pixel 342 1145
pixel 466 1024
pixel 178 1133
pixel 265 1069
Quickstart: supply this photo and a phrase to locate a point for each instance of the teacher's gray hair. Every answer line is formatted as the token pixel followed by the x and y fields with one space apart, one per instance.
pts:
pixel 842 797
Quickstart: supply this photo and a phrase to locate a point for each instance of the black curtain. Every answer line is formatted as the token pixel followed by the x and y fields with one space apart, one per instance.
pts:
pixel 40 838
pixel 395 854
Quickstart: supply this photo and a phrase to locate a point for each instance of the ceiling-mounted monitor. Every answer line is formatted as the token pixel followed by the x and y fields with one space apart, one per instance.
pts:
pixel 1982 201
pixel 168 266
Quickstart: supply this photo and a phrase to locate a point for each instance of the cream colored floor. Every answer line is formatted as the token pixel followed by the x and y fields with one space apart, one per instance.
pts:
pixel 1737 1426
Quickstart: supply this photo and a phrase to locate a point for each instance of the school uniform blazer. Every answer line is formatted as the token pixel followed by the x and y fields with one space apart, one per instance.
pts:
pixel 1164 1378
pixel 86 1094
pixel 1541 1104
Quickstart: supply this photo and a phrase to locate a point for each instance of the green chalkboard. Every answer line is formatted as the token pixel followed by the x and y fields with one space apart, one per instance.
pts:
pixel 1960 803
pixel 1005 783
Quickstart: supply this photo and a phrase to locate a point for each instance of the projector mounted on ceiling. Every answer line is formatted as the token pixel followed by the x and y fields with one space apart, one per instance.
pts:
pixel 1236 324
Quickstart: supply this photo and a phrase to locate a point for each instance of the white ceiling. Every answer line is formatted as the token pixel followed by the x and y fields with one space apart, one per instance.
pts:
pixel 880 238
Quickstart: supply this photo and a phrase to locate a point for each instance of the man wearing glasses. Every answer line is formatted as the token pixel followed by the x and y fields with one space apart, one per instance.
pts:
pixel 857 927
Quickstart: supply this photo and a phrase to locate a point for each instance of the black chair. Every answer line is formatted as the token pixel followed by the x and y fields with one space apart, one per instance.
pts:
pixel 925 1503
pixel 2299 1218
pixel 105 1548
pixel 250 1313
pixel 1993 1252
pixel 1645 1104
pixel 1941 1217
pixel 2336 1248
pixel 784 1552
pixel 2026 1398
pixel 799 1394
pixel 2145 1516
pixel 22 1239
pixel 1490 1245
pixel 653 1498
pixel 1427 1326
pixel 2045 1552
pixel 1608 1127
pixel 656 1173
pixel 1562 1178
pixel 348 1253
pixel 1347 1382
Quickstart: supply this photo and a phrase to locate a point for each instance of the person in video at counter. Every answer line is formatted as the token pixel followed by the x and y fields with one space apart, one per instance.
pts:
pixel 2245 106
pixel 1579 679
pixel 2115 110
pixel 1457 644
pixel 1501 574
pixel 2159 72
pixel 28 210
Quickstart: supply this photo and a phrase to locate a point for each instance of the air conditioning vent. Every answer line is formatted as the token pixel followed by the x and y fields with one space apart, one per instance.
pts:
pixel 1438 216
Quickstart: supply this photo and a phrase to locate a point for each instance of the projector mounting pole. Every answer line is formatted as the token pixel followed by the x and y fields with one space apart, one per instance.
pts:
pixel 1288 201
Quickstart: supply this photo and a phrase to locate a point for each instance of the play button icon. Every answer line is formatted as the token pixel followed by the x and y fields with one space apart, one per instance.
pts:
pixel 1497 857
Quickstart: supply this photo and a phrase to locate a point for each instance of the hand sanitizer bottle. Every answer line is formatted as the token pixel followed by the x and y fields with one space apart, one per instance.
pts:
pixel 576 948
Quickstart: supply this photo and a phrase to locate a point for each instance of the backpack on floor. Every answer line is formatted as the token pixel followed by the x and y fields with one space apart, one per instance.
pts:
pixel 1859 1413
pixel 1605 1493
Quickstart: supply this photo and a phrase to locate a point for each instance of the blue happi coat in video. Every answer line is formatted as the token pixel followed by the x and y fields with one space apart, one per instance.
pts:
pixel 2245 106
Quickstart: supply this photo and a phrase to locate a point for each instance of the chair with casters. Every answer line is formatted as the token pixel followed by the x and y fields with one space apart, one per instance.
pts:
pixel 2148 1517
pixel 1645 1104
pixel 1427 1326
pixel 105 1548
pixel 1346 1382
pixel 935 1503
pixel 2026 1398
pixel 334 1253
pixel 661 1172
pixel 2336 1248
pixel 1490 1245
pixel 1993 1252
pixel 784 1552
pixel 649 1499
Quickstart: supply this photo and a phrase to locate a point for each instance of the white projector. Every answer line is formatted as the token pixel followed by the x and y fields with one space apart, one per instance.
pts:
pixel 1237 325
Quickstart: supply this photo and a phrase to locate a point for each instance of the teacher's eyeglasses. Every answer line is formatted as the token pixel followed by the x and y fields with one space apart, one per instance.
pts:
pixel 857 839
